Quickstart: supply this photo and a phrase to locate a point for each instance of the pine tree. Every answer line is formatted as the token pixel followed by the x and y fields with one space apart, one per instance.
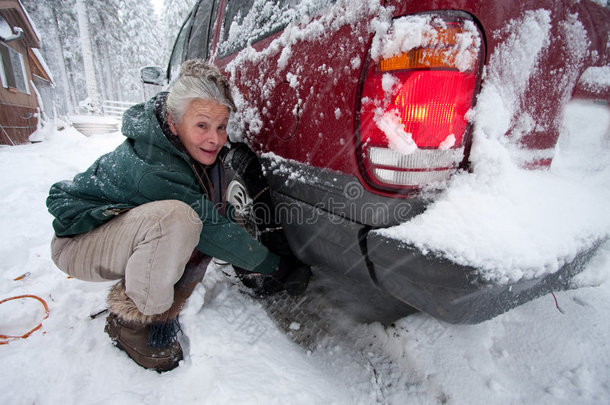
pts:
pixel 124 37
pixel 106 37
pixel 94 101
pixel 55 23
pixel 143 47
pixel 173 16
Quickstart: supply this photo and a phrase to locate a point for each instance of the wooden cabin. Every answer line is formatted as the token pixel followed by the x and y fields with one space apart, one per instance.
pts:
pixel 20 67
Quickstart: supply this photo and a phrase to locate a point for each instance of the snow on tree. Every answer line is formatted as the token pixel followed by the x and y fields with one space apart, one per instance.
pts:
pixel 57 30
pixel 93 104
pixel 173 15
pixel 106 37
pixel 143 47
pixel 124 36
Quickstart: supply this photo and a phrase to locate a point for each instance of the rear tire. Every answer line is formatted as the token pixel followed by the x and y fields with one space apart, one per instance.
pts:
pixel 248 192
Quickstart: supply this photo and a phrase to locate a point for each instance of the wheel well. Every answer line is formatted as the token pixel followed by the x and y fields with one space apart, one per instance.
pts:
pixel 243 165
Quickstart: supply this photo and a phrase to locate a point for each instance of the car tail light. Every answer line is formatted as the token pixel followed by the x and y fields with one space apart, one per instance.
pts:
pixel 414 104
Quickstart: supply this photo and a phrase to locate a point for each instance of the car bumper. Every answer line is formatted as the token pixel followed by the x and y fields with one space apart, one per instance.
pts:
pixel 455 293
pixel 375 266
pixel 328 221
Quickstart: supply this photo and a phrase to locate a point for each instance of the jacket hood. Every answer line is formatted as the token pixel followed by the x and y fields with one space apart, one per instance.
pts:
pixel 145 123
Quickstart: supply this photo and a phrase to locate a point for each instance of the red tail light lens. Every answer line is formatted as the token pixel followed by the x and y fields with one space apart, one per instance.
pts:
pixel 431 105
pixel 412 118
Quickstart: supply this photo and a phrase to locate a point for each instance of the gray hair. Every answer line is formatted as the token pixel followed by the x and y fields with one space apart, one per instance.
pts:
pixel 198 80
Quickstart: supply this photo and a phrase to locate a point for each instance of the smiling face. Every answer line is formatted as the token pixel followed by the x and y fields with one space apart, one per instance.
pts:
pixel 203 129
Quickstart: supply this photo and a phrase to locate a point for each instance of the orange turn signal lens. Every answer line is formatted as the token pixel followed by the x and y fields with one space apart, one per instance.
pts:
pixel 417 59
pixel 442 52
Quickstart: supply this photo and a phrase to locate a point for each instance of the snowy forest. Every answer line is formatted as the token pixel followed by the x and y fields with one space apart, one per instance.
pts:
pixel 124 35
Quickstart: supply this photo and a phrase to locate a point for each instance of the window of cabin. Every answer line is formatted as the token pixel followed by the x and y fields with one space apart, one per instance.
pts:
pixel 13 69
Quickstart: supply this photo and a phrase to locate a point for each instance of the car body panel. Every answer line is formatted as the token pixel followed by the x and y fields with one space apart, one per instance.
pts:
pixel 294 99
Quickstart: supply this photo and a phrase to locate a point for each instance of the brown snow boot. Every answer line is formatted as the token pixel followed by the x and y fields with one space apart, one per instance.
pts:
pixel 133 338
pixel 150 340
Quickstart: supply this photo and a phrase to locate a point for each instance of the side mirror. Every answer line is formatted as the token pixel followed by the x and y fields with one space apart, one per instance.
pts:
pixel 152 75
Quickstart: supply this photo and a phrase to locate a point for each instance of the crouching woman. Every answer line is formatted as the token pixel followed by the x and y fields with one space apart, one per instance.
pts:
pixel 152 212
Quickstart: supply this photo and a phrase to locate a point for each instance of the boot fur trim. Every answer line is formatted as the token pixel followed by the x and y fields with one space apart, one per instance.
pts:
pixel 124 307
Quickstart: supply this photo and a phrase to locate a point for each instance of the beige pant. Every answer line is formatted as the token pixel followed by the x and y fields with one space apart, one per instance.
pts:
pixel 149 246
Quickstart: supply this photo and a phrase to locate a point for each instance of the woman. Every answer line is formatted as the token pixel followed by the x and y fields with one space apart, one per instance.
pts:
pixel 152 212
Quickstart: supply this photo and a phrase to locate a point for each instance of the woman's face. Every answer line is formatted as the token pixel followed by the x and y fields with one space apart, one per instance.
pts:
pixel 203 129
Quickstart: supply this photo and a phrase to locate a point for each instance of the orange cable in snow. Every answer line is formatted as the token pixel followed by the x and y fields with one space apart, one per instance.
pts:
pixel 46 315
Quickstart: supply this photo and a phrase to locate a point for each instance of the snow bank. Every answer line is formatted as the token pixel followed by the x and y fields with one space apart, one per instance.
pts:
pixel 234 352
pixel 511 359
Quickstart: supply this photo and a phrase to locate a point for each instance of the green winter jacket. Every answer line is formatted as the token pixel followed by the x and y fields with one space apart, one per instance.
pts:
pixel 148 167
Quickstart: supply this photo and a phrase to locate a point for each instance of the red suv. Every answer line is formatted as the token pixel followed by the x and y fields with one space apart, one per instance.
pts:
pixel 353 114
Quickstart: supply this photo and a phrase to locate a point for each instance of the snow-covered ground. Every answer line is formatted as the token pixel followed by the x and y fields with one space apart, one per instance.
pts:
pixel 236 353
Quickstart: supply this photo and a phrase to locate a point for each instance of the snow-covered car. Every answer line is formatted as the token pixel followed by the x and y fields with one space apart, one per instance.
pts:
pixel 354 116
